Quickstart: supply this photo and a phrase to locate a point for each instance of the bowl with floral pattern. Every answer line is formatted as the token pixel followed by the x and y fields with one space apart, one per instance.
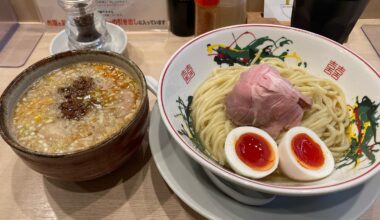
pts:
pixel 246 45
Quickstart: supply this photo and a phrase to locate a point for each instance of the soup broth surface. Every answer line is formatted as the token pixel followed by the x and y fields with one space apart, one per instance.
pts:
pixel 75 107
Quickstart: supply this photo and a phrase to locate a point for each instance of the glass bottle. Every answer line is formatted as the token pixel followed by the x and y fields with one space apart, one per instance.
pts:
pixel 181 14
pixel 85 27
pixel 231 12
pixel 205 15
pixel 334 19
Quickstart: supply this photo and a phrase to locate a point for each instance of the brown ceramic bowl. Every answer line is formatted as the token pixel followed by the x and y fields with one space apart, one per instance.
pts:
pixel 95 161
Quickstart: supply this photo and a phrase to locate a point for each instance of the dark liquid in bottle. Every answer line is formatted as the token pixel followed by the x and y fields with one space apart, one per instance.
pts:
pixel 331 18
pixel 181 14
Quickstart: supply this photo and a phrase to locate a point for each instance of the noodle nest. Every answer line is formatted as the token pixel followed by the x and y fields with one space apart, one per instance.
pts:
pixel 328 116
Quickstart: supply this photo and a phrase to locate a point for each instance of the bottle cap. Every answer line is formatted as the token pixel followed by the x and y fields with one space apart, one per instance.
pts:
pixel 207 3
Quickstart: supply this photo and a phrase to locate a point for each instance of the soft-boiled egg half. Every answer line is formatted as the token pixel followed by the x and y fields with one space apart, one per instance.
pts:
pixel 251 152
pixel 304 156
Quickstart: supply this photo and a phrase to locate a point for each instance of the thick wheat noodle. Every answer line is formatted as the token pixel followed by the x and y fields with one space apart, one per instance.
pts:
pixel 328 116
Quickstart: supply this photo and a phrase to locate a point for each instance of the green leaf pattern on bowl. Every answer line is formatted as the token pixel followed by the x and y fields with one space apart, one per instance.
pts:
pixel 253 52
pixel 363 127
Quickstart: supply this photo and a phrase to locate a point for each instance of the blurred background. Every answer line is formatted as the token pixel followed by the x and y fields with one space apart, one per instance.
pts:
pixel 28 11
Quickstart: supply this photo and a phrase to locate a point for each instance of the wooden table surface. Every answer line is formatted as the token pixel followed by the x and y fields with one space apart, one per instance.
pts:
pixel 136 190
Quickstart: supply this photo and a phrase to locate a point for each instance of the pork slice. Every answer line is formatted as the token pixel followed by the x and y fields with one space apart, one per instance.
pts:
pixel 240 102
pixel 55 130
pixel 126 101
pixel 264 99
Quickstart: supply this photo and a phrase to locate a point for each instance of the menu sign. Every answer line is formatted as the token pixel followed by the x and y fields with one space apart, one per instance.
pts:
pixel 132 14
pixel 279 9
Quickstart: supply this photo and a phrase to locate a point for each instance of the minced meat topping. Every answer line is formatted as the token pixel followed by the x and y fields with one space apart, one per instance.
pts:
pixel 77 102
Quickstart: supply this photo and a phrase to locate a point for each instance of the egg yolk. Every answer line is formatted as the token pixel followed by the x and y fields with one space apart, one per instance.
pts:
pixel 307 152
pixel 253 150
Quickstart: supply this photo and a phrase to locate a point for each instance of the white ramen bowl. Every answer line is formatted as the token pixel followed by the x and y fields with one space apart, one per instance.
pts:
pixel 193 63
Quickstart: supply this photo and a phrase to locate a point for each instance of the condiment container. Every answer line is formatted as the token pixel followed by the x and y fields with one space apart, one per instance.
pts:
pixel 205 15
pixel 181 15
pixel 231 12
pixel 85 27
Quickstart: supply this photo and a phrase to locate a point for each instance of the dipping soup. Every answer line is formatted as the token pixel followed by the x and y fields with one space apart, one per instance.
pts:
pixel 75 107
